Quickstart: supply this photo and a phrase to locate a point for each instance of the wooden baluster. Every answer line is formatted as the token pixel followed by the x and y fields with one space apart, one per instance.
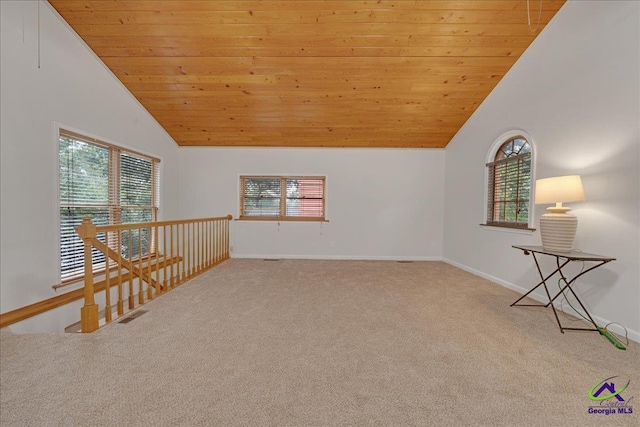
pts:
pixel 157 264
pixel 216 244
pixel 227 237
pixel 140 269
pixel 217 233
pixel 187 251
pixel 181 254
pixel 192 262
pixel 213 242
pixel 195 248
pixel 214 224
pixel 131 292
pixel 205 246
pixel 149 259
pixel 190 254
pixel 220 242
pixel 214 236
pixel 107 285
pixel 120 292
pixel 205 225
pixel 89 312
pixel 203 259
pixel 205 256
pixel 164 264
pixel 171 278
pixel 208 245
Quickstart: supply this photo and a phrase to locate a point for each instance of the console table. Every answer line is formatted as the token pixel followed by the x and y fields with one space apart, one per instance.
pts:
pixel 562 259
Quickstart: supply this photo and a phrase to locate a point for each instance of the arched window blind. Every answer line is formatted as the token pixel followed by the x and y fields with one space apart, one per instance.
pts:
pixel 509 185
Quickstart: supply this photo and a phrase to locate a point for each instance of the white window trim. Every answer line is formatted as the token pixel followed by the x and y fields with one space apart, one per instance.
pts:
pixel 497 143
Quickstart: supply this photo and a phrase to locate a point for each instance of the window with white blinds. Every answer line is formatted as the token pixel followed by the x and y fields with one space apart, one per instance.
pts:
pixel 109 184
pixel 282 198
pixel 509 185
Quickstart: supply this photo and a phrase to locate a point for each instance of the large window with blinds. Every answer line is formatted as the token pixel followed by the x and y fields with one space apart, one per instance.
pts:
pixel 109 184
pixel 509 185
pixel 282 198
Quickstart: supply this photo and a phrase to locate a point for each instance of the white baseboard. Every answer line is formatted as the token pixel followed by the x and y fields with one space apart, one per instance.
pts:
pixel 633 335
pixel 340 257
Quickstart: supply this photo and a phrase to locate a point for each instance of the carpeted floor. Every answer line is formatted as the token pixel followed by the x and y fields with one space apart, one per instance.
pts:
pixel 314 343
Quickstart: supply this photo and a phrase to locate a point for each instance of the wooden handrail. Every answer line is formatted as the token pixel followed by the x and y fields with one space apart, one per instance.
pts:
pixel 23 313
pixel 135 225
pixel 178 250
pixel 80 278
pixel 118 258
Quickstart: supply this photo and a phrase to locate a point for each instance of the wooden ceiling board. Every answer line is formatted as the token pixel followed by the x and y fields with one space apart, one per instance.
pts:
pixel 294 73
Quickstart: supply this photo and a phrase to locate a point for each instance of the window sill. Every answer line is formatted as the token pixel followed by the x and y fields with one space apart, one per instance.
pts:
pixel 507 229
pixel 280 219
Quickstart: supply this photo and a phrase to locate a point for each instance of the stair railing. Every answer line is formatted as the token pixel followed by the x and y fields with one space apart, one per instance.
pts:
pixel 141 261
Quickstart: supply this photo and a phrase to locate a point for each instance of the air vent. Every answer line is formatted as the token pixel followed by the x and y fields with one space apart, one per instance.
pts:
pixel 133 316
pixel 271 259
pixel 406 262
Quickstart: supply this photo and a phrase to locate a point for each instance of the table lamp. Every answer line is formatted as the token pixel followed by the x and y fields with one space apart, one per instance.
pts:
pixel 557 227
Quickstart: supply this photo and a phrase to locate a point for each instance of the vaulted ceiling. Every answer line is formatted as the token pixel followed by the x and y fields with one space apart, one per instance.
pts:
pixel 309 73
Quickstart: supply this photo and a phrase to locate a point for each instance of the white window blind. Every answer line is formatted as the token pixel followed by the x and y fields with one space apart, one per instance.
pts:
pixel 109 184
pixel 282 198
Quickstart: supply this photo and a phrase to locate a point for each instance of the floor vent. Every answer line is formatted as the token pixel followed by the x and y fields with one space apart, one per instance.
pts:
pixel 405 262
pixel 271 259
pixel 133 316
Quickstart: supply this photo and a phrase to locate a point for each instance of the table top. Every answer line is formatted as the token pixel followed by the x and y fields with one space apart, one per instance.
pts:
pixel 572 256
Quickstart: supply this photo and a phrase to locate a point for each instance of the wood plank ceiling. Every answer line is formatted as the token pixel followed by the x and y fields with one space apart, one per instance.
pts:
pixel 309 73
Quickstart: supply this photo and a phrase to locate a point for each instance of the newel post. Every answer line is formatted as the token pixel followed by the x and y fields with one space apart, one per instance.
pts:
pixel 88 313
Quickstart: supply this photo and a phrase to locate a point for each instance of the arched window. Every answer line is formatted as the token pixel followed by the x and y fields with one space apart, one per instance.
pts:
pixel 509 184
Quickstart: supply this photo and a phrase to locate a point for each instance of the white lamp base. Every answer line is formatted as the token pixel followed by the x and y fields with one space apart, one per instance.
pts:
pixel 558 231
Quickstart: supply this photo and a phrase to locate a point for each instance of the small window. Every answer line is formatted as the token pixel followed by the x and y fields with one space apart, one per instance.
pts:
pixel 282 198
pixel 509 185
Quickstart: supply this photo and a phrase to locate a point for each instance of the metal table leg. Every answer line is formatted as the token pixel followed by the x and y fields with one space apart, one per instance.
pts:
pixel 568 284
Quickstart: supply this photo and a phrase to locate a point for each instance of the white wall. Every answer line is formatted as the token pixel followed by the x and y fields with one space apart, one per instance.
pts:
pixel 381 204
pixel 71 87
pixel 576 91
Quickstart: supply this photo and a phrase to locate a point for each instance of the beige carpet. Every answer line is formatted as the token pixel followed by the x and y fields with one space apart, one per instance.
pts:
pixel 314 343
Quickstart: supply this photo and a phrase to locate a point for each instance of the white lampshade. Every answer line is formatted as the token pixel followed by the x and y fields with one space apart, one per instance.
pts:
pixel 559 189
pixel 557 228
